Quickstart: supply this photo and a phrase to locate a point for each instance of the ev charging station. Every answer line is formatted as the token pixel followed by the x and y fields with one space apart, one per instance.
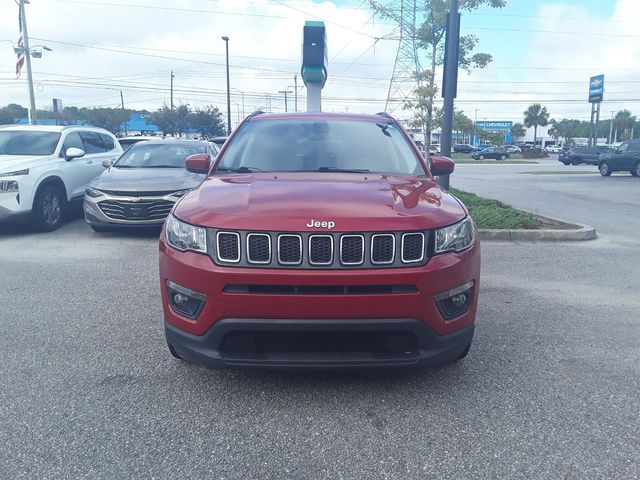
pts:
pixel 314 63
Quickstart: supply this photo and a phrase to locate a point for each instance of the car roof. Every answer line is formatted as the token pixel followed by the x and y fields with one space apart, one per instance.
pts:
pixel 53 128
pixel 376 118
pixel 174 141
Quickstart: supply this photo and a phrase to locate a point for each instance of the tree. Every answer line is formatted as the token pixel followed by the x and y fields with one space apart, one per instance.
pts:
pixel 17 111
pixel 518 131
pixel 6 117
pixel 536 116
pixel 208 121
pixel 430 36
pixel 165 119
pixel 623 122
pixel 110 119
pixel 181 119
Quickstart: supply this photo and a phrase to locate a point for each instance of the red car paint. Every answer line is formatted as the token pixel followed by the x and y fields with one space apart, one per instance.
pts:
pixel 287 202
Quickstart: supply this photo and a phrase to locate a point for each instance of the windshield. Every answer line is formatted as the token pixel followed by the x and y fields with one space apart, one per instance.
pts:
pixel 157 155
pixel 320 146
pixel 25 142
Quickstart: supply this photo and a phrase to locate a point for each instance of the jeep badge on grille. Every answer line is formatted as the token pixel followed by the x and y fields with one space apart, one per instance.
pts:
pixel 318 224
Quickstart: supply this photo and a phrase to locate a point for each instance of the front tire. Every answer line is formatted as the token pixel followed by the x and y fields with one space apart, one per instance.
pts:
pixel 605 169
pixel 503 157
pixel 636 171
pixel 481 157
pixel 464 353
pixel 48 208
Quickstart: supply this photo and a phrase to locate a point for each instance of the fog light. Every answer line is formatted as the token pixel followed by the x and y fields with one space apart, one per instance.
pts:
pixel 184 301
pixel 455 302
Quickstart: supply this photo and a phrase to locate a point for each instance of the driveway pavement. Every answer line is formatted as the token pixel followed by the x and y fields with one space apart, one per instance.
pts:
pixel 550 389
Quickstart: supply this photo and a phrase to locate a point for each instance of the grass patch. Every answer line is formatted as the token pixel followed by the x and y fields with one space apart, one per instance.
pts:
pixel 489 213
pixel 564 172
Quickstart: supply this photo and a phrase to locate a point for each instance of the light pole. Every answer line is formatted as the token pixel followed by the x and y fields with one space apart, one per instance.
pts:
pixel 474 128
pixel 241 93
pixel 226 41
pixel 611 128
pixel 28 53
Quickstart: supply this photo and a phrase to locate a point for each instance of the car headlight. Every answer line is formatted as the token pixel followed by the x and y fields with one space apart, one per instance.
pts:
pixel 456 237
pixel 184 236
pixel 8 186
pixel 92 192
pixel 16 173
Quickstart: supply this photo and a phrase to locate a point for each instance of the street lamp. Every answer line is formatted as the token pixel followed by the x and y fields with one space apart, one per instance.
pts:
pixel 226 41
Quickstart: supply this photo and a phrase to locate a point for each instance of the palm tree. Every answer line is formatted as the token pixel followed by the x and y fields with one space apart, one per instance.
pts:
pixel 624 122
pixel 517 130
pixel 536 116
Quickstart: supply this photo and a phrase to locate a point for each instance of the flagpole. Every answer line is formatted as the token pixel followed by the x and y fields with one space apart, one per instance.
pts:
pixel 27 53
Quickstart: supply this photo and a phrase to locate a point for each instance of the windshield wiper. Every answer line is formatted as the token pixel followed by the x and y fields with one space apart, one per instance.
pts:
pixel 239 169
pixel 342 170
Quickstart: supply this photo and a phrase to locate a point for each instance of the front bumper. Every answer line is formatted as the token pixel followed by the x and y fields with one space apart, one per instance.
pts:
pixel 309 308
pixel 215 350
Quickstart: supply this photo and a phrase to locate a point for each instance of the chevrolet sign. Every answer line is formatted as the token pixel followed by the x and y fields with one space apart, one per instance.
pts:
pixel 596 89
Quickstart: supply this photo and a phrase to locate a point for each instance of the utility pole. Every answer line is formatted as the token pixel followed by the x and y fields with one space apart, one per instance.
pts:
pixel 122 103
pixel 286 92
pixel 33 120
pixel 473 142
pixel 226 43
pixel 295 82
pixel 172 77
pixel 611 128
pixel 450 81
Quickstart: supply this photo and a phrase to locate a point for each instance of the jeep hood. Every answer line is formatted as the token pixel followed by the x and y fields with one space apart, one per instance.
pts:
pixel 289 201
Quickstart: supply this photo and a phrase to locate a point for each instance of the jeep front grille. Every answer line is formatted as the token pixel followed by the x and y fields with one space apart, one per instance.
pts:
pixel 311 250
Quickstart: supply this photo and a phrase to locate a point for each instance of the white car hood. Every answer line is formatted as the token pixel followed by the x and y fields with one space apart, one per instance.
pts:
pixel 13 163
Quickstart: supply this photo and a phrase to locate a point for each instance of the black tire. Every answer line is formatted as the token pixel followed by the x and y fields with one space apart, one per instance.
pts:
pixel 503 157
pixel 565 162
pixel 480 157
pixel 576 161
pixel 464 353
pixel 48 208
pixel 173 352
pixel 605 169
pixel 99 229
pixel 636 171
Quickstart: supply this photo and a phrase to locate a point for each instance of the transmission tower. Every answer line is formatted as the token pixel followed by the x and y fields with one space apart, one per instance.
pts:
pixel 403 80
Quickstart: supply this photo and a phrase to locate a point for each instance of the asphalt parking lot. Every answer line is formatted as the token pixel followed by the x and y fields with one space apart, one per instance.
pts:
pixel 550 389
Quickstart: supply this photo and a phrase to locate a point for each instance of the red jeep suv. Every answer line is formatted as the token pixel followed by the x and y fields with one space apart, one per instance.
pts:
pixel 319 240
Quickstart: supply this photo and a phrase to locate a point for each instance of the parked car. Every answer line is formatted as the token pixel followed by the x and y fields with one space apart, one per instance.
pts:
pixel 577 155
pixel 513 149
pixel 553 148
pixel 434 149
pixel 464 148
pixel 43 168
pixel 126 142
pixel 219 141
pixel 319 240
pixel 625 158
pixel 141 187
pixel 497 153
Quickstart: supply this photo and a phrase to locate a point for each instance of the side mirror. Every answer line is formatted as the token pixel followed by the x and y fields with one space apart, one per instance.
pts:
pixel 107 163
pixel 441 165
pixel 73 152
pixel 198 163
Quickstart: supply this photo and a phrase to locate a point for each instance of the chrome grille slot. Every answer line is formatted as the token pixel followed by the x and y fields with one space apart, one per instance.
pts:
pixel 383 248
pixel 412 247
pixel 228 246
pixel 258 248
pixel 320 249
pixel 351 249
pixel 289 249
pixel 142 210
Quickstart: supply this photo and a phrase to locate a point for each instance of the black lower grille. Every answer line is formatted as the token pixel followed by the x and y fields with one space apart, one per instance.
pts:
pixel 320 289
pixel 143 210
pixel 266 342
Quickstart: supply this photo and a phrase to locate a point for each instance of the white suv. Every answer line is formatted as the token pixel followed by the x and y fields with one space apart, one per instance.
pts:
pixel 42 168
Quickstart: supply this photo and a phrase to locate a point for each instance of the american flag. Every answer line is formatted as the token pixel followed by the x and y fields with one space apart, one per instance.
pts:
pixel 20 61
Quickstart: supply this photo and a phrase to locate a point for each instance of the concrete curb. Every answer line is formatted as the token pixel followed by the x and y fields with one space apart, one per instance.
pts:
pixel 577 234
